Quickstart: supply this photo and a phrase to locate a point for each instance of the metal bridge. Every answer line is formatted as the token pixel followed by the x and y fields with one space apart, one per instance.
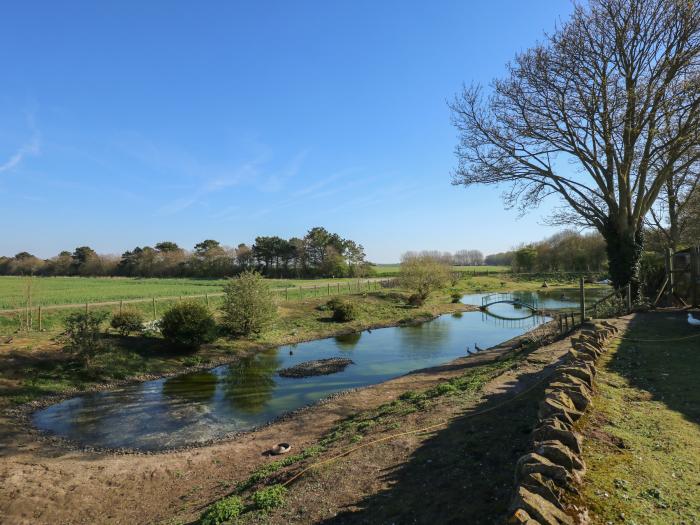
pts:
pixel 508 298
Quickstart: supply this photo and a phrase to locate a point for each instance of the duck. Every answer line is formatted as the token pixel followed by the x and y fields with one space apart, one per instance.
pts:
pixel 291 352
pixel 692 321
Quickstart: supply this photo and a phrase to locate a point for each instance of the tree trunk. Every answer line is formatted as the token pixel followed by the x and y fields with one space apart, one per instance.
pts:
pixel 624 248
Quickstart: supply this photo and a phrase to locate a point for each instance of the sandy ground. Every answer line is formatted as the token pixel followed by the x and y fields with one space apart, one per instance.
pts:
pixel 42 483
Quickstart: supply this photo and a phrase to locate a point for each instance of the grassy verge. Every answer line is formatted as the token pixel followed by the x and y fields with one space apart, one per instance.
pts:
pixel 642 444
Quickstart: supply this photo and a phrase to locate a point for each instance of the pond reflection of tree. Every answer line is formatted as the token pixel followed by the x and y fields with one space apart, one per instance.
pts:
pixel 348 342
pixel 249 383
pixel 424 339
pixel 197 387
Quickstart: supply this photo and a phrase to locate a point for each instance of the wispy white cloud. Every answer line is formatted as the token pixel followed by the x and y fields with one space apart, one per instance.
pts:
pixel 29 148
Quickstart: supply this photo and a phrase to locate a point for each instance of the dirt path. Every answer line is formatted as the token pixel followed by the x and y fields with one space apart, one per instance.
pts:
pixel 42 483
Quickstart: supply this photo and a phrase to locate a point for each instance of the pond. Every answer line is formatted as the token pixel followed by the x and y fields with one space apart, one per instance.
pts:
pixel 198 407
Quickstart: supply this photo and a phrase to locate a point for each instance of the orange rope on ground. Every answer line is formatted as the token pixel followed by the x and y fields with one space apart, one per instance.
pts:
pixel 416 431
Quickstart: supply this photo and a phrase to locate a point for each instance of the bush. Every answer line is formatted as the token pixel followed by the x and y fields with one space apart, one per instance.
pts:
pixel 222 511
pixel 416 300
pixel 249 305
pixel 343 311
pixel 422 274
pixel 456 297
pixel 82 334
pixel 127 321
pixel 188 324
pixel 269 498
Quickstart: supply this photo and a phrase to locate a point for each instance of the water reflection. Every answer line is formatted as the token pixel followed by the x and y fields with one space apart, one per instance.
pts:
pixel 198 387
pixel 248 384
pixel 348 341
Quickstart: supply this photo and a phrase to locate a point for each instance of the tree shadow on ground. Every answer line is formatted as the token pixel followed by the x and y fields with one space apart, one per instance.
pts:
pixel 661 357
pixel 462 474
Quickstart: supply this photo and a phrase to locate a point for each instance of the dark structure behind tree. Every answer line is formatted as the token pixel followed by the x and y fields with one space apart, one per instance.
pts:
pixel 615 92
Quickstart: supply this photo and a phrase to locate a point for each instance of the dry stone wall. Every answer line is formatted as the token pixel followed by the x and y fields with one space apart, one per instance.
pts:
pixel 554 467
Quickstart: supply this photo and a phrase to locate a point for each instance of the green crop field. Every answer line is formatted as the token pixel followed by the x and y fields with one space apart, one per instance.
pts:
pixel 393 269
pixel 78 290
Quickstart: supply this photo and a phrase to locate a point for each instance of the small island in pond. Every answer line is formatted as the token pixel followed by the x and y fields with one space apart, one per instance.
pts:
pixel 318 367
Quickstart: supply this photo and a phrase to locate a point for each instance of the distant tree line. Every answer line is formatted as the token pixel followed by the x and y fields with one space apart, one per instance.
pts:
pixel 319 253
pixel 459 258
pixel 567 251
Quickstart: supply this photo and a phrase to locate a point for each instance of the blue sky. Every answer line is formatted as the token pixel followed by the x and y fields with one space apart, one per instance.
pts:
pixel 128 123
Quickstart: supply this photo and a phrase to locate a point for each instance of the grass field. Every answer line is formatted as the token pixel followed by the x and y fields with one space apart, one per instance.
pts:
pixel 68 290
pixel 393 269
pixel 643 437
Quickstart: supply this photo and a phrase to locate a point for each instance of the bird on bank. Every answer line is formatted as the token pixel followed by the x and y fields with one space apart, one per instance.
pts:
pixel 476 347
pixel 692 321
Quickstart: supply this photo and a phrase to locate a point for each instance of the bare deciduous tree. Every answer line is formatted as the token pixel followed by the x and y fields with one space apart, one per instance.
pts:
pixel 601 115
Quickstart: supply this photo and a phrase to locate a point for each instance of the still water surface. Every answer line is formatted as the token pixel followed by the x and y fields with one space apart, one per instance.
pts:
pixel 197 407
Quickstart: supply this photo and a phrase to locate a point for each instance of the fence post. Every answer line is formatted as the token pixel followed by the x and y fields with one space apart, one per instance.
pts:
pixel 338 288
pixel 206 298
pixel 694 263
pixel 40 325
pixel 154 309
pixel 669 271
pixel 629 297
pixel 86 307
pixel 583 299
pixel 121 304
pixel 561 325
pixel 301 292
pixel 286 293
pixel 329 289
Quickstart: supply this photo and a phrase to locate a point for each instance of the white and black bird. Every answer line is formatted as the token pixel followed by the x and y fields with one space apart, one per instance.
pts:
pixel 692 321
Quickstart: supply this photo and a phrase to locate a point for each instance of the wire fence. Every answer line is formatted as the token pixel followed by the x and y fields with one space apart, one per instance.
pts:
pixel 32 314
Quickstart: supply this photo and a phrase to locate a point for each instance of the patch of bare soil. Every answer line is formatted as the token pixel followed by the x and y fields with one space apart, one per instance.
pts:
pixel 44 483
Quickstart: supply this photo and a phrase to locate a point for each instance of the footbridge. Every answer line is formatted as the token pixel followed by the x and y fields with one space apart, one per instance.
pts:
pixel 508 298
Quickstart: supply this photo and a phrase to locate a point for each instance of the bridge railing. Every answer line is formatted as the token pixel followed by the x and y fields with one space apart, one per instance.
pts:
pixel 508 297
pixel 495 297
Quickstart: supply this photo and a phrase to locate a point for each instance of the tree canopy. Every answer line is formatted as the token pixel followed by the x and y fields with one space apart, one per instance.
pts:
pixel 601 115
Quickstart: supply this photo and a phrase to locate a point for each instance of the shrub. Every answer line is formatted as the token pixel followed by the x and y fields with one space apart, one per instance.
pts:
pixel 343 311
pixel 416 300
pixel 249 304
pixel 127 321
pixel 82 334
pixel 456 297
pixel 188 324
pixel 422 274
pixel 222 511
pixel 269 498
